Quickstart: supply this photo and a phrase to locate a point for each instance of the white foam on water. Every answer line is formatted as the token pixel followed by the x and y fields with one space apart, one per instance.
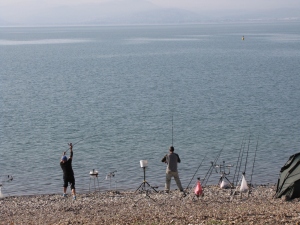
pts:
pixel 42 41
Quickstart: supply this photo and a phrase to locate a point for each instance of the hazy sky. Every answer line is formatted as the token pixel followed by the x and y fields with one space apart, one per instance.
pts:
pixel 35 10
pixel 184 4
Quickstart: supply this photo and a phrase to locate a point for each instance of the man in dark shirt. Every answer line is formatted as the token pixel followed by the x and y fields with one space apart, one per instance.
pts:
pixel 68 174
pixel 172 159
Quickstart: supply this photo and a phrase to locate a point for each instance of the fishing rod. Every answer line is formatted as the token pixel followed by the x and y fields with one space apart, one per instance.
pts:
pixel 243 174
pixel 247 155
pixel 207 175
pixel 172 119
pixel 172 128
pixel 70 144
pixel 254 160
pixel 240 165
pixel 195 172
pixel 238 160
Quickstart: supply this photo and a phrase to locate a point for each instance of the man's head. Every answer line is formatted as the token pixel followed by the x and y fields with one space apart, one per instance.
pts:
pixel 171 149
pixel 64 158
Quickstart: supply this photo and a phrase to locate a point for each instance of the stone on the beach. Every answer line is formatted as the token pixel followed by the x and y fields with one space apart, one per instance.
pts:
pixel 216 206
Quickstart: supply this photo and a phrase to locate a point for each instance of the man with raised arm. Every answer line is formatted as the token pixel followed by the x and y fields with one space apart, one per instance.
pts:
pixel 68 174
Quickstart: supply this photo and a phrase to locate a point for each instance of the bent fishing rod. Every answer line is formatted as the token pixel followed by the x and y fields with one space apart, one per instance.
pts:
pixel 195 172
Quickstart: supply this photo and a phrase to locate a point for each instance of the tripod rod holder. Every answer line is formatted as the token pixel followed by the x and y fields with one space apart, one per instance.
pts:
pixel 222 168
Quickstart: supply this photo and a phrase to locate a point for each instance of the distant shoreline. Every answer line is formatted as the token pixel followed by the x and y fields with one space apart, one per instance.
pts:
pixel 251 21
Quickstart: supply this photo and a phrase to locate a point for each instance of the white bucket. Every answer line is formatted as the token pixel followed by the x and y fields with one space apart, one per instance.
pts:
pixel 144 163
pixel 93 172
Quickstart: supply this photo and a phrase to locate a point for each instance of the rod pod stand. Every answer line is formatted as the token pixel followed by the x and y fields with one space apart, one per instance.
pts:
pixel 222 171
pixel 109 176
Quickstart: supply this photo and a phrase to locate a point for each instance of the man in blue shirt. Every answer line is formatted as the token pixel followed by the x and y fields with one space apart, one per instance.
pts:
pixel 68 174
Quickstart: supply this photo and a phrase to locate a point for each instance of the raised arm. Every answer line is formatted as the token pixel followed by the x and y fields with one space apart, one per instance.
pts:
pixel 71 151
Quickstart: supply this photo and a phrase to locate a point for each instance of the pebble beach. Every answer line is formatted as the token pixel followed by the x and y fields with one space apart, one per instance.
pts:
pixel 216 206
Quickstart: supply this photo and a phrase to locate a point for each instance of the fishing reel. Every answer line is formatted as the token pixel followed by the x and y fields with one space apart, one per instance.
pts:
pixel 111 174
pixel 71 146
pixel 8 178
pixel 221 168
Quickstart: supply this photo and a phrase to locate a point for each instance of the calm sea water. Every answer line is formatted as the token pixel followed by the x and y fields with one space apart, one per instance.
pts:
pixel 125 94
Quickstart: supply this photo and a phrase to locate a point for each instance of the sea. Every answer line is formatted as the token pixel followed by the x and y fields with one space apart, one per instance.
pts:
pixel 122 94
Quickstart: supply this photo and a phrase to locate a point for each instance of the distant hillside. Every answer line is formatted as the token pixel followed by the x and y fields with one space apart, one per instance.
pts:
pixel 133 12
pixel 159 16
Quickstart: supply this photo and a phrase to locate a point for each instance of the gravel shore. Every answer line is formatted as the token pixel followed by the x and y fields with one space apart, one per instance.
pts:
pixel 217 206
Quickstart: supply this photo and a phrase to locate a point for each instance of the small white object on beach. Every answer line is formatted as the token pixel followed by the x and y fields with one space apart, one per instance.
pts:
pixel 244 185
pixel 224 185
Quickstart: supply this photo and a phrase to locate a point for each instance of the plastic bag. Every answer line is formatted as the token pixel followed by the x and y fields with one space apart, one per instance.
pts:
pixel 198 189
pixel 224 185
pixel 244 186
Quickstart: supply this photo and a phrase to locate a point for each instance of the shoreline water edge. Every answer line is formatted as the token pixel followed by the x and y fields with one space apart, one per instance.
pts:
pixel 216 206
